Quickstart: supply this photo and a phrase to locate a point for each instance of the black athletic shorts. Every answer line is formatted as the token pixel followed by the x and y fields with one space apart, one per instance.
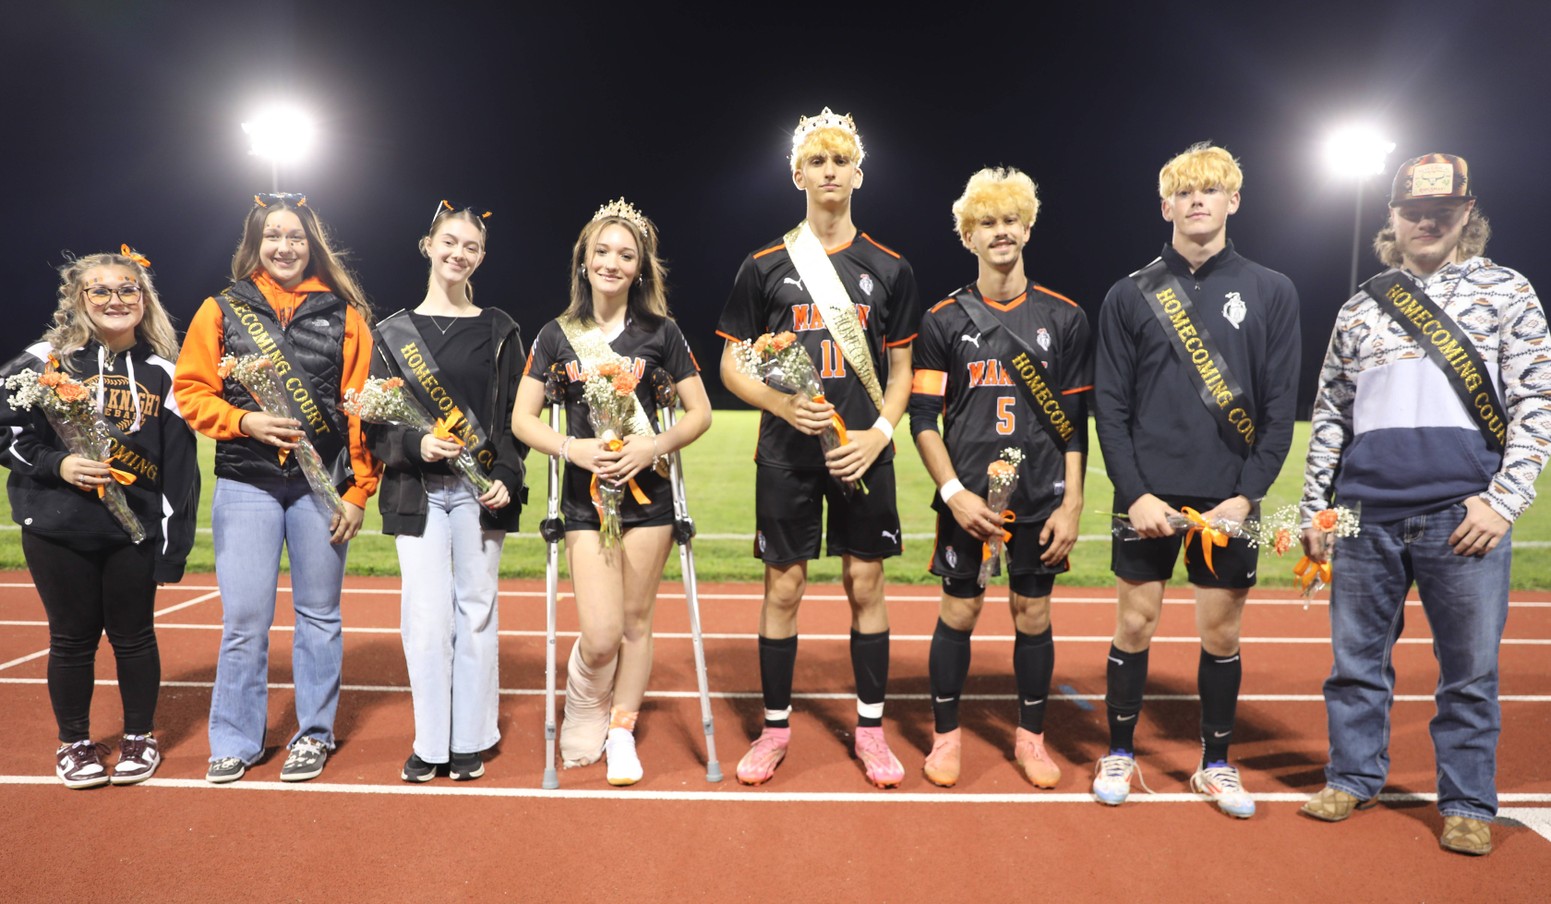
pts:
pixel 1153 560
pixel 956 557
pixel 788 505
pixel 580 514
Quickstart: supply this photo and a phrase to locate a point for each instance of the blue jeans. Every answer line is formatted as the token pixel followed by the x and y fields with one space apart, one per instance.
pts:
pixel 449 619
pixel 251 522
pixel 1466 602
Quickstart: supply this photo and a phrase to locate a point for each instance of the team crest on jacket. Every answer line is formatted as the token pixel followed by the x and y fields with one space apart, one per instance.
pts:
pixel 864 282
pixel 1043 338
pixel 952 556
pixel 1234 310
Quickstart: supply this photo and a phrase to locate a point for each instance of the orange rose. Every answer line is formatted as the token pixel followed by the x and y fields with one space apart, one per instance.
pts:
pixel 611 369
pixel 762 345
pixel 781 341
pixel 1284 541
pixel 1000 468
pixel 52 378
pixel 624 384
pixel 72 392
pixel 393 383
pixel 1326 520
pixel 224 369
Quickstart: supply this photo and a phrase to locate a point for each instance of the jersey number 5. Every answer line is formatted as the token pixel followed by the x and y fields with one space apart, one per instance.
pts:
pixel 834 363
pixel 1006 420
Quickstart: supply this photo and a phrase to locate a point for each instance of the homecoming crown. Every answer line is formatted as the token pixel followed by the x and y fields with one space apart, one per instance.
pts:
pixel 624 210
pixel 828 119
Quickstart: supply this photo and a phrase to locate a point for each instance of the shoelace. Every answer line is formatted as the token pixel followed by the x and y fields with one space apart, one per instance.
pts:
pixel 1116 767
pixel 81 755
pixel 874 745
pixel 1226 778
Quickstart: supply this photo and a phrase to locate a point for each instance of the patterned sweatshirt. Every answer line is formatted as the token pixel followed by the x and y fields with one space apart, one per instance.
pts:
pixel 1390 434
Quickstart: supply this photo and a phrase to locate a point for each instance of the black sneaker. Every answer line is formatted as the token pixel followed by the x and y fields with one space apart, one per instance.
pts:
pixel 305 760
pixel 226 769
pixel 79 765
pixel 417 770
pixel 466 767
pixel 138 757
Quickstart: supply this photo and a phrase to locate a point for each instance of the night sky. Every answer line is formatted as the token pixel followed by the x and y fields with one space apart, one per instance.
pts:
pixel 123 126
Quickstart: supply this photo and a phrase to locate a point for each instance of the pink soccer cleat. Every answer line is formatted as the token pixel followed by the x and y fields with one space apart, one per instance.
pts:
pixel 759 764
pixel 883 767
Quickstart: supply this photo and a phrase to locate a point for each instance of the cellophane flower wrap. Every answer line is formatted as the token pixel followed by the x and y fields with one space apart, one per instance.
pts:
pixel 257 375
pixel 66 404
pixel 1002 480
pixel 609 390
pixel 1311 577
pixel 389 401
pixel 781 361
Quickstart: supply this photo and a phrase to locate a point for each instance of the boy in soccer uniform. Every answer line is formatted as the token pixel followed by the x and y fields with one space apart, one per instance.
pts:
pixel 854 306
pixel 963 373
pixel 1195 385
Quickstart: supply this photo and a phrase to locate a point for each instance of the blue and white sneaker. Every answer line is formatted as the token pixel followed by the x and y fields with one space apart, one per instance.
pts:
pixel 1220 782
pixel 1112 778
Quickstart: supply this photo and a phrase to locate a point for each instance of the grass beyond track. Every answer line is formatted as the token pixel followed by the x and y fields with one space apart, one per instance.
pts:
pixel 719 472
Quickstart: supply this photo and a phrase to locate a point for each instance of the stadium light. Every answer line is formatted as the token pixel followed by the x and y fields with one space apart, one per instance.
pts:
pixel 280 134
pixel 1357 152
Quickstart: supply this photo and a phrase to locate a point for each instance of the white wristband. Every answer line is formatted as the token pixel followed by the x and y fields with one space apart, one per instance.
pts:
pixel 950 489
pixel 882 425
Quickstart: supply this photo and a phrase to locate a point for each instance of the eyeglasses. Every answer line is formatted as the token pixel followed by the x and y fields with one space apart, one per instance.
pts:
pixel 265 199
pixel 101 295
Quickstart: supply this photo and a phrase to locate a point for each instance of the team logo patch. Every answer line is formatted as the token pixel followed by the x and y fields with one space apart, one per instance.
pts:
pixel 864 282
pixel 952 556
pixel 796 282
pixel 974 340
pixel 1043 338
pixel 1234 310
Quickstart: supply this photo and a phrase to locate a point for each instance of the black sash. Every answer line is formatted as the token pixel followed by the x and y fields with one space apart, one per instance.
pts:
pixel 412 355
pixel 1217 388
pixel 1039 388
pixel 1447 346
pixel 258 338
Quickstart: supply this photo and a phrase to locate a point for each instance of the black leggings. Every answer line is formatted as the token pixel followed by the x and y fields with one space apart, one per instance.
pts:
pixel 87 591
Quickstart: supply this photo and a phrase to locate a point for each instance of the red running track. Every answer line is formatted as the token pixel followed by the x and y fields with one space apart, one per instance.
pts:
pixel 817 831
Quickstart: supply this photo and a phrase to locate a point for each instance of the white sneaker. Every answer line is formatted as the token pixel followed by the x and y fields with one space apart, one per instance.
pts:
pixel 1112 778
pixel 624 764
pixel 1220 782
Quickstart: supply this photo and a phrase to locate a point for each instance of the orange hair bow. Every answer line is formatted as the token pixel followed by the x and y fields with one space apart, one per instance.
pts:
pixel 135 256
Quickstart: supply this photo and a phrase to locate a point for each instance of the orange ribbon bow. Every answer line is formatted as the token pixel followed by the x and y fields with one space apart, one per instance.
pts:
pixel 446 427
pixel 124 478
pixel 135 256
pixel 1008 517
pixel 1210 536
pixel 1308 571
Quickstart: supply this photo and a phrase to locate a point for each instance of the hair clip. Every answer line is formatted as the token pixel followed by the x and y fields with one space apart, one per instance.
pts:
pixel 264 199
pixel 135 256
pixel 445 207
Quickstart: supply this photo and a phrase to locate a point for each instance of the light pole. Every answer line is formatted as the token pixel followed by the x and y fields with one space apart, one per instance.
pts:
pixel 1357 152
pixel 281 134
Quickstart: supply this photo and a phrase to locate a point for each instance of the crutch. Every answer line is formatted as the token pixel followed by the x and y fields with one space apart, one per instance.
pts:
pixel 684 534
pixel 552 529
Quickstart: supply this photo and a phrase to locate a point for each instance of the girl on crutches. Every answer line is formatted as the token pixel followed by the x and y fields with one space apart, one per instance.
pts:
pixel 618 315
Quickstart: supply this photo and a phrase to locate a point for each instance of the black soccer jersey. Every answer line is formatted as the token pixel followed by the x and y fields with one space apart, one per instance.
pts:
pixel 984 412
pixel 644 351
pixel 768 296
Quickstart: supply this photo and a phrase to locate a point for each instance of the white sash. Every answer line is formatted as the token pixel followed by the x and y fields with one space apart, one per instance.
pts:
pixel 593 350
pixel 835 305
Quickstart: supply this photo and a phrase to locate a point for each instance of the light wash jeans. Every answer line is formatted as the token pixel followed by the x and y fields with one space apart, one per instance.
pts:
pixel 449 618
pixel 1465 600
pixel 251 522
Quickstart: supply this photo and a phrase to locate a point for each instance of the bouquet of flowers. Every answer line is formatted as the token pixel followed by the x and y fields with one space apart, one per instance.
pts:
pixel 1002 474
pixel 610 393
pixel 386 401
pixel 64 403
pixel 1214 533
pixel 257 375
pixel 1311 576
pixel 779 360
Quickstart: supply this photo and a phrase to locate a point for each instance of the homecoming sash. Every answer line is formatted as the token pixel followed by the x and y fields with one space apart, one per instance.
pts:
pixel 412 355
pixel 835 305
pixel 593 350
pixel 1033 378
pixel 1219 391
pixel 1446 345
pixel 257 338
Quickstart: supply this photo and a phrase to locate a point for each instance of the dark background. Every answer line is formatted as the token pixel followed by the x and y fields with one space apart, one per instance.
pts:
pixel 122 125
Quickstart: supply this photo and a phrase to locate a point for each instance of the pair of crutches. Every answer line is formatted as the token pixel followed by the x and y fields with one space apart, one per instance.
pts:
pixel 553 531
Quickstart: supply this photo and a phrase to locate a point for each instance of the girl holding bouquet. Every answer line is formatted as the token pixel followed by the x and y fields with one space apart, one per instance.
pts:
pixel 108 356
pixel 613 336
pixel 449 616
pixel 292 301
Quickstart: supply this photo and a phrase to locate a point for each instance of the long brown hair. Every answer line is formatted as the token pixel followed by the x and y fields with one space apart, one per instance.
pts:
pixel 647 302
pixel 322 260
pixel 72 328
pixel 444 213
pixel 1472 239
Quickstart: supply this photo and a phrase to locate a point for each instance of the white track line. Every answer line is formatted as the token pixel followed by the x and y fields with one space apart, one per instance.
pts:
pixel 864 797
pixel 1537 819
pixel 44 652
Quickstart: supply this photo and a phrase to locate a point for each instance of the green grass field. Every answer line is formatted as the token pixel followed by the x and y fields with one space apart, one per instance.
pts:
pixel 720 472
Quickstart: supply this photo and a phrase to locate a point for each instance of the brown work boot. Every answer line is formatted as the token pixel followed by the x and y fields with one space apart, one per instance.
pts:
pixel 1334 805
pixel 1464 835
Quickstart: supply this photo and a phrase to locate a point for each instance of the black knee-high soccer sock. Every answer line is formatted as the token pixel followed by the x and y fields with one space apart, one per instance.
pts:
pixel 948 666
pixel 1217 679
pixel 777 661
pixel 1033 662
pixel 1127 680
pixel 870 665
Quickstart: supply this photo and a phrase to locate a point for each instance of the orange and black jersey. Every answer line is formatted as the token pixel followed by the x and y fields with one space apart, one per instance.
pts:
pixel 959 377
pixel 768 296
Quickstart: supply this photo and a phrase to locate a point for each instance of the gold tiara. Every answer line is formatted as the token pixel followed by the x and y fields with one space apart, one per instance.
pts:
pixel 625 211
pixel 828 119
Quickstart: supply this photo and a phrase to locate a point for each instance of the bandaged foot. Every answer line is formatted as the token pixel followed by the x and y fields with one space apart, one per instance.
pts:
pixel 589 694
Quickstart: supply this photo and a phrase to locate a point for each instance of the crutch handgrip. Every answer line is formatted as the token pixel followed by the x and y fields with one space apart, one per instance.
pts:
pixel 683 530
pixel 552 530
